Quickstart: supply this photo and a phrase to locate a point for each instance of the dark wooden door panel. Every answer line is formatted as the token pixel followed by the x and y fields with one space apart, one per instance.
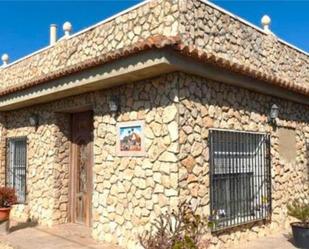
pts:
pixel 81 167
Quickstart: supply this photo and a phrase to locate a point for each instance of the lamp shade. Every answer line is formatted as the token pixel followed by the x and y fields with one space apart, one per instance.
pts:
pixel 113 104
pixel 34 120
pixel 274 112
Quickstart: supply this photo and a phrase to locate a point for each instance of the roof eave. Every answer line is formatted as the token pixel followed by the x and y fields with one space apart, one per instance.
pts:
pixel 143 65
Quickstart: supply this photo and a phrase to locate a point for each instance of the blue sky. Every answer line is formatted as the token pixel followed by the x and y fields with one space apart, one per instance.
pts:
pixel 25 25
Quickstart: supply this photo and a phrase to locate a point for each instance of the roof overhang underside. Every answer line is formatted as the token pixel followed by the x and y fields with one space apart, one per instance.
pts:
pixel 133 68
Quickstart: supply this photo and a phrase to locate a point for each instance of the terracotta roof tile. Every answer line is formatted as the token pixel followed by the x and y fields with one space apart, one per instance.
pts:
pixel 152 42
pixel 157 42
pixel 243 69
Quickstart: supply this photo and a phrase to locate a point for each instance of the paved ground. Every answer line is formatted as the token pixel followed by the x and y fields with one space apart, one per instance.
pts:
pixel 73 236
pixel 68 236
pixel 5 245
pixel 279 241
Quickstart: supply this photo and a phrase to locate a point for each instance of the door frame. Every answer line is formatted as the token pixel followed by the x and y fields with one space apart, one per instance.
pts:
pixel 73 175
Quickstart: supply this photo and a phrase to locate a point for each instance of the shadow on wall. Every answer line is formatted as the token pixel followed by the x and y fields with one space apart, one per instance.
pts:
pixel 307 157
pixel 199 90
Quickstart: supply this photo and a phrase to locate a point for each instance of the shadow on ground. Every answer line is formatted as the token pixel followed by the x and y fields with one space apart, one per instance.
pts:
pixel 12 226
pixel 289 238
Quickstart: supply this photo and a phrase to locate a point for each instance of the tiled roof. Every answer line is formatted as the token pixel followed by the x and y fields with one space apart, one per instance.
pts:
pixel 158 42
pixel 150 43
pixel 240 68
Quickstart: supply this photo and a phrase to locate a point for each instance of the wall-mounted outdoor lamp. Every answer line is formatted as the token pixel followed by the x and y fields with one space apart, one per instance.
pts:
pixel 114 104
pixel 34 120
pixel 273 115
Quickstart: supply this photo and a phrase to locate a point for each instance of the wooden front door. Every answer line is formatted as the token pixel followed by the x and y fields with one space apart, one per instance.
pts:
pixel 81 167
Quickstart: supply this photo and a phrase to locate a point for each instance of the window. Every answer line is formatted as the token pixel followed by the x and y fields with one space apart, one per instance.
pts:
pixel 16 166
pixel 240 177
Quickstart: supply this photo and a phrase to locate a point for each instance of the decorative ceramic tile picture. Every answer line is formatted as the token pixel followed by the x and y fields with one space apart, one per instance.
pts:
pixel 130 138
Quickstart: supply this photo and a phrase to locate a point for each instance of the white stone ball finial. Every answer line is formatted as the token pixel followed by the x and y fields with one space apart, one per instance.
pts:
pixel 67 28
pixel 5 59
pixel 266 22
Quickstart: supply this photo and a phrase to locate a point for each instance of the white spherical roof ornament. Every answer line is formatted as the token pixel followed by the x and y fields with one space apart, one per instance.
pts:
pixel 5 59
pixel 266 22
pixel 67 28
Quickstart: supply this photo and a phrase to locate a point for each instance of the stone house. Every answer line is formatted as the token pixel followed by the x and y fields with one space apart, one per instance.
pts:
pixel 199 86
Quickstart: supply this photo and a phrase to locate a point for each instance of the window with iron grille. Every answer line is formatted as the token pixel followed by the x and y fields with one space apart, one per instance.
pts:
pixel 240 190
pixel 16 166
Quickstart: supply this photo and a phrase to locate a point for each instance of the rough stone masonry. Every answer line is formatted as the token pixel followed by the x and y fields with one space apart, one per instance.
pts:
pixel 178 108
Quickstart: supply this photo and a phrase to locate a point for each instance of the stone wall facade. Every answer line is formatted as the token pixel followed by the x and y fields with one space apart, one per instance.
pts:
pixel 195 22
pixel 178 110
pixel 45 174
pixel 129 192
pixel 220 34
pixel 132 191
pixel 205 104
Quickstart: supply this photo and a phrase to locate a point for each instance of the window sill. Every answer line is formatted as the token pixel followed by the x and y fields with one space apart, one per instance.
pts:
pixel 226 228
